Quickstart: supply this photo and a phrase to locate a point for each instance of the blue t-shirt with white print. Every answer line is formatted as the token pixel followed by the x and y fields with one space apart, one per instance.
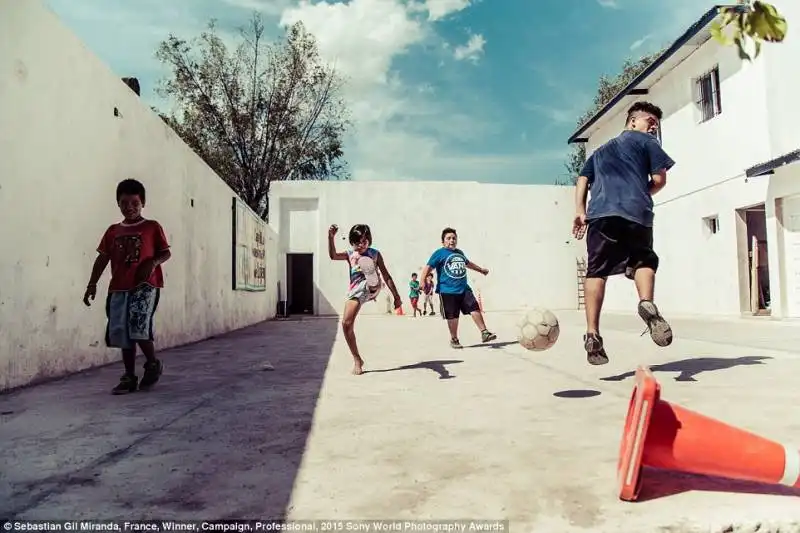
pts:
pixel 619 174
pixel 451 270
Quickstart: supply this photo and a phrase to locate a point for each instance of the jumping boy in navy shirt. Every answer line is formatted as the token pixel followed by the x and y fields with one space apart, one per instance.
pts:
pixel 622 175
pixel 455 295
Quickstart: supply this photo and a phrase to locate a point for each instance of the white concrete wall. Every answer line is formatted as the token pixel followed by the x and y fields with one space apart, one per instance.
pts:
pixel 783 237
pixel 520 233
pixel 782 76
pixel 699 273
pixel 783 116
pixel 62 153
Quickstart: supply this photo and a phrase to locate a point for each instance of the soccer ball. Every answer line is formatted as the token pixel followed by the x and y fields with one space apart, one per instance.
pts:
pixel 538 329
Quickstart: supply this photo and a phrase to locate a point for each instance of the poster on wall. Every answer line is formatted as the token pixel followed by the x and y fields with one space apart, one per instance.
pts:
pixel 249 249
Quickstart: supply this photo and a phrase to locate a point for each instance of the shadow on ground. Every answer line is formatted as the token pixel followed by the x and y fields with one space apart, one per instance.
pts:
pixel 577 393
pixel 495 345
pixel 688 368
pixel 218 435
pixel 658 483
pixel 440 367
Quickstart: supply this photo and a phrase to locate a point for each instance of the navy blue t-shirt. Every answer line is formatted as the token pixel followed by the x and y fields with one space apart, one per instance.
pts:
pixel 451 270
pixel 619 175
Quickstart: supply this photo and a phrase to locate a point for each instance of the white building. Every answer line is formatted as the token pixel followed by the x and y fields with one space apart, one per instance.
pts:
pixel 521 233
pixel 732 127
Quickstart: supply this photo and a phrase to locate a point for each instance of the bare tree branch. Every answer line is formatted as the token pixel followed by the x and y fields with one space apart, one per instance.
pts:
pixel 260 112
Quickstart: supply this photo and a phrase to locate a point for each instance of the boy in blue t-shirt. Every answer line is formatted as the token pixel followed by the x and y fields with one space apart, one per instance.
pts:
pixel 455 295
pixel 623 175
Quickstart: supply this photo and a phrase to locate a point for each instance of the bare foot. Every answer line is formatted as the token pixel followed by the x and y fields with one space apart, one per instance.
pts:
pixel 358 368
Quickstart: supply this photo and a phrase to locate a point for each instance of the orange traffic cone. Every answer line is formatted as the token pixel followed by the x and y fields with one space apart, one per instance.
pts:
pixel 663 435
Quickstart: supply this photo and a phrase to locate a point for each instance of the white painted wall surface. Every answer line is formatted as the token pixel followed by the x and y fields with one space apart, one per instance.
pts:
pixel 699 273
pixel 62 153
pixel 782 77
pixel 520 233
pixel 783 234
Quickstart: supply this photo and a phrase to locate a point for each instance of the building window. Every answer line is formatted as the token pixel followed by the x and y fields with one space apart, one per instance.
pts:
pixel 711 225
pixel 707 97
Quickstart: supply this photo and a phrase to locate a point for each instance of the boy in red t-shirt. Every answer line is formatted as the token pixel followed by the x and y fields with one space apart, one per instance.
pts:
pixel 136 248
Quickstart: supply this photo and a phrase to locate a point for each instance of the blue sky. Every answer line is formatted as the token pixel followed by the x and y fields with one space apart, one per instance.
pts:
pixel 485 90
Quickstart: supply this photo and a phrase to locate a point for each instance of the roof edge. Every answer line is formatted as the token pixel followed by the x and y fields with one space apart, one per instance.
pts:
pixel 769 167
pixel 692 31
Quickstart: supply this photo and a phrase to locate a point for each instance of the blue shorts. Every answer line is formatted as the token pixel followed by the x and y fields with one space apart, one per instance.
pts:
pixel 130 316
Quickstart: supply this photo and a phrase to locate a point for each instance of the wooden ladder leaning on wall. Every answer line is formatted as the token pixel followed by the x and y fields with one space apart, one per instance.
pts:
pixel 581 272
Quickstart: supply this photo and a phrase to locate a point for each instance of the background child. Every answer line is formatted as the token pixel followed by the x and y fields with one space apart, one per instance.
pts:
pixel 427 298
pixel 455 295
pixel 413 294
pixel 365 284
pixel 136 248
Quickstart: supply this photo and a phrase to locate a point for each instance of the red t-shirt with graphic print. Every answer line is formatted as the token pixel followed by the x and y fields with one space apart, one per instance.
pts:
pixel 127 246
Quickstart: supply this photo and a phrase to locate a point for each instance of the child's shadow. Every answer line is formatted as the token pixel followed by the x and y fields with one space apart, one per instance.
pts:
pixel 437 366
pixel 688 368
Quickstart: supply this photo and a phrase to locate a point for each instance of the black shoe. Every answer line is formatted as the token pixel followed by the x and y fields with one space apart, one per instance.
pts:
pixel 660 330
pixel 454 343
pixel 126 385
pixel 152 371
pixel 595 353
pixel 487 336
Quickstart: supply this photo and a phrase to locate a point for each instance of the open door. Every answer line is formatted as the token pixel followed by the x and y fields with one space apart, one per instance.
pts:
pixel 300 284
pixel 758 287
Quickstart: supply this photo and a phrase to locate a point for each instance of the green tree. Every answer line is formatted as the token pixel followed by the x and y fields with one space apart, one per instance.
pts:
pixel 258 113
pixel 759 22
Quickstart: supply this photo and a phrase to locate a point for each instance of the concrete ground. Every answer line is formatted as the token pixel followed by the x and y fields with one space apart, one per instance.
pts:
pixel 488 432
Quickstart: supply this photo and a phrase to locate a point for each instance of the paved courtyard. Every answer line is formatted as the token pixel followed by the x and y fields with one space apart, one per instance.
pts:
pixel 487 432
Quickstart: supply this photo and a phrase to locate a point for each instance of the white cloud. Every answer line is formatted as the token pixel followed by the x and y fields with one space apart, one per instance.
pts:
pixel 405 127
pixel 361 37
pixel 439 9
pixel 558 115
pixel 639 42
pixel 267 7
pixel 609 4
pixel 402 130
pixel 472 50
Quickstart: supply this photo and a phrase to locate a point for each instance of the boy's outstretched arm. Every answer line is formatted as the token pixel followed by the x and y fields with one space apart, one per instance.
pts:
pixel 476 268
pixel 387 278
pixel 332 253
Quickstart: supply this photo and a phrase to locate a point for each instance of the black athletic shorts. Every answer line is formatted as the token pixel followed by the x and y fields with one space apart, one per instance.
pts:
pixel 450 305
pixel 616 246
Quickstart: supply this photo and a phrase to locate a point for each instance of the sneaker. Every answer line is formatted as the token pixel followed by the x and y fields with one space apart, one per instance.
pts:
pixel 152 371
pixel 126 385
pixel 659 329
pixel 595 353
pixel 454 343
pixel 487 336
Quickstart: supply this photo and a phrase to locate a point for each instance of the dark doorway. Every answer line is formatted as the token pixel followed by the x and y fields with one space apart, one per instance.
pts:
pixel 300 283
